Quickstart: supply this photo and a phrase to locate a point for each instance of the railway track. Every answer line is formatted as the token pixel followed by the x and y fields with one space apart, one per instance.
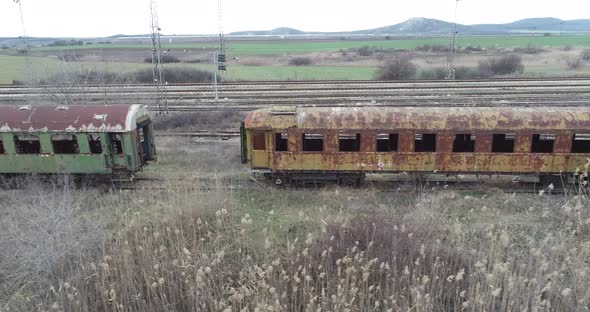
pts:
pixel 208 184
pixel 252 95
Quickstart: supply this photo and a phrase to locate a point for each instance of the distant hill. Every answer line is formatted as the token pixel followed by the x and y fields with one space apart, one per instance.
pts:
pixel 428 26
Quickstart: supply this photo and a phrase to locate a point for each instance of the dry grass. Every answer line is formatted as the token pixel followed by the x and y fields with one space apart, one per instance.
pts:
pixel 224 246
pixel 294 250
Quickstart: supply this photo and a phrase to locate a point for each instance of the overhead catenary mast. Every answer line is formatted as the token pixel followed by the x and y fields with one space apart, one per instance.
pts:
pixel 451 57
pixel 157 68
pixel 27 50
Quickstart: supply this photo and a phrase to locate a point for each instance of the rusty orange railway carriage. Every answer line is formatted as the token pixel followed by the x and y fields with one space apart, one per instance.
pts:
pixel 344 143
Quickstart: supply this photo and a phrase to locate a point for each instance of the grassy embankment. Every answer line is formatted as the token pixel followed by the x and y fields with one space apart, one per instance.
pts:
pixel 230 246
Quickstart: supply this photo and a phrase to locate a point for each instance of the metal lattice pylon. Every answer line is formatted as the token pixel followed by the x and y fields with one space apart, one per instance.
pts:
pixel 159 79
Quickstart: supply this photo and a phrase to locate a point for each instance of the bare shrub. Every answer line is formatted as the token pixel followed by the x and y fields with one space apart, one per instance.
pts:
pixel 173 75
pixel 437 48
pixel 165 58
pixel 398 68
pixel 434 73
pixel 200 120
pixel 45 227
pixel 573 63
pixel 365 51
pixel 585 55
pixel 84 77
pixel 529 49
pixel 568 47
pixel 300 61
pixel 504 65
pixel 461 72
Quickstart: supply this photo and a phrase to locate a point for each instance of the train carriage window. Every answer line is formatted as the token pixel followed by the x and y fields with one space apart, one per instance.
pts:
pixel 581 143
pixel 387 142
pixel 464 143
pixel 349 142
pixel 95 144
pixel 281 142
pixel 64 144
pixel 258 141
pixel 503 143
pixel 2 150
pixel 117 143
pixel 542 143
pixel 313 142
pixel 425 142
pixel 27 144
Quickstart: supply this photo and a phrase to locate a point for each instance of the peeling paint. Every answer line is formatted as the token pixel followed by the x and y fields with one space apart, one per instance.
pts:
pixel 75 118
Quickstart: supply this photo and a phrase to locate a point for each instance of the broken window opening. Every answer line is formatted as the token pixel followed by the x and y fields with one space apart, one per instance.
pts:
pixel 2 150
pixel 27 144
pixel 349 142
pixel 503 143
pixel 117 143
pixel 387 142
pixel 95 144
pixel 543 143
pixel 425 142
pixel 141 132
pixel 64 144
pixel 281 142
pixel 258 141
pixel 313 142
pixel 581 143
pixel 464 143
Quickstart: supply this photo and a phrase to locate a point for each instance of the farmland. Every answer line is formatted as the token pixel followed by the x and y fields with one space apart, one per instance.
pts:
pixel 329 59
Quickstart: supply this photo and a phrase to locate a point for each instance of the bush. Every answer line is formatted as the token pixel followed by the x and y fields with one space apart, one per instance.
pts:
pixel 300 61
pixel 201 120
pixel 461 72
pixel 504 65
pixel 585 55
pixel 166 58
pixel 173 75
pixel 573 63
pixel 434 73
pixel 529 49
pixel 365 51
pixel 432 48
pixel 398 68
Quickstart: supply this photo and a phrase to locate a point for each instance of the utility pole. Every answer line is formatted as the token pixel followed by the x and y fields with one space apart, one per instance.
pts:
pixel 27 50
pixel 157 68
pixel 451 57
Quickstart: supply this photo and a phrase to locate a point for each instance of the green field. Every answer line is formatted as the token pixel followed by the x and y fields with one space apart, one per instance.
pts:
pixel 15 68
pixel 282 47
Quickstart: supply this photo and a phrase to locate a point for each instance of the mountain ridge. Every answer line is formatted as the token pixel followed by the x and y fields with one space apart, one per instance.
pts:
pixel 429 26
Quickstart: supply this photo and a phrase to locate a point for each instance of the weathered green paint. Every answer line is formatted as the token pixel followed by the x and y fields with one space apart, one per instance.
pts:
pixel 81 163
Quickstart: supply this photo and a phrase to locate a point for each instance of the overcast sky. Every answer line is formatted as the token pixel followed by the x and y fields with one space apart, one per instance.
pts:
pixel 80 18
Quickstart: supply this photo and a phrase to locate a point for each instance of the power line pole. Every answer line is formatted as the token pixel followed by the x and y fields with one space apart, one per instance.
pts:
pixel 157 68
pixel 27 50
pixel 451 57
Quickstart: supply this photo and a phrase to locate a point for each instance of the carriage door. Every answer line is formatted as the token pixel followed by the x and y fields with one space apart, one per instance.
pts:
pixel 260 154
pixel 146 149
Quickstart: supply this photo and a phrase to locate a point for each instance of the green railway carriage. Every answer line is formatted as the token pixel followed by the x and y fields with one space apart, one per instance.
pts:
pixel 80 139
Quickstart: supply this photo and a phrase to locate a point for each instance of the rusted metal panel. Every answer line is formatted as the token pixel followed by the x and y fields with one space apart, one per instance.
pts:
pixel 368 141
pixel 406 141
pixel 483 142
pixel 77 118
pixel 563 142
pixel 425 118
pixel 427 162
pixel 523 143
pixel 444 142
